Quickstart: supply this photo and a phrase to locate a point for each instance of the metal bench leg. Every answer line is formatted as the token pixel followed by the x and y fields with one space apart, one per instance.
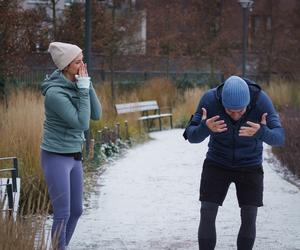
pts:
pixel 9 191
pixel 15 174
pixel 171 122
pixel 139 124
pixel 148 125
pixel 159 123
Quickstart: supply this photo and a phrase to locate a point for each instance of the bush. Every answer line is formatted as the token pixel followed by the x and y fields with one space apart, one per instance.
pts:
pixel 184 83
pixel 104 151
pixel 289 154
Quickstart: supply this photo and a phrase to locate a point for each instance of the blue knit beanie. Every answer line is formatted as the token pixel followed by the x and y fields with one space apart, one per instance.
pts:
pixel 235 93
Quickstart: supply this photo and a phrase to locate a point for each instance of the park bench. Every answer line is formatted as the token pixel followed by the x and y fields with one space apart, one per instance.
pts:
pixel 149 110
pixel 9 187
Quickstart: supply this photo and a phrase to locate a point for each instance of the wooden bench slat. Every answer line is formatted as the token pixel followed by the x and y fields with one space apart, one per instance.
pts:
pixel 144 106
pixel 136 106
pixel 154 116
pixel 166 114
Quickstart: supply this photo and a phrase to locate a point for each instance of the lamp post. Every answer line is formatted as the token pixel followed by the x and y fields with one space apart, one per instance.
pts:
pixel 87 36
pixel 87 57
pixel 246 5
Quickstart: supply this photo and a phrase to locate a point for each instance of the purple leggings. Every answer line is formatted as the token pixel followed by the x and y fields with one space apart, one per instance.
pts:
pixel 64 178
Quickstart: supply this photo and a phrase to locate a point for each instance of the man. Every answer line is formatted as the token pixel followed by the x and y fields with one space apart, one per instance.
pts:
pixel 238 116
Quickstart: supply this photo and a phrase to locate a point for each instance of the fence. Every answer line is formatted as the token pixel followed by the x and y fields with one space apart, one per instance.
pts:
pixel 35 77
pixel 10 187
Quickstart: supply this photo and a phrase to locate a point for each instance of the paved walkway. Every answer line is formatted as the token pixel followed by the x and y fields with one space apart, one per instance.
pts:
pixel 149 200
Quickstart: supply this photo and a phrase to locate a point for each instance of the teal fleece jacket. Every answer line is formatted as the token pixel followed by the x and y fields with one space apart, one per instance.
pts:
pixel 68 111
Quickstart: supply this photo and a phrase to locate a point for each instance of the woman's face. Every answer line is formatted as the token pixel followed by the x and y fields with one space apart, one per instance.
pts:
pixel 74 66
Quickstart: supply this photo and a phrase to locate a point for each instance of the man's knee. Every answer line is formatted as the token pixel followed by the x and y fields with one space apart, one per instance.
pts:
pixel 209 208
pixel 249 214
pixel 207 221
pixel 248 219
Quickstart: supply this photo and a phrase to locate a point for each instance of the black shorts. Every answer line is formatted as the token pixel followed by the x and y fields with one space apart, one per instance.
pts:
pixel 215 181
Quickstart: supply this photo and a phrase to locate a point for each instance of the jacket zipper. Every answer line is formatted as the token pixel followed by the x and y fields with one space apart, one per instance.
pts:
pixel 233 146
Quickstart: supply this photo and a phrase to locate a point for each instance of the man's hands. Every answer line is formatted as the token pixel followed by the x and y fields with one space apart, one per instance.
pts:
pixel 218 126
pixel 253 127
pixel 213 124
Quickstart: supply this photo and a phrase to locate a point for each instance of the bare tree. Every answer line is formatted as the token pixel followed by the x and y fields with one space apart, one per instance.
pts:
pixel 17 28
pixel 70 27
pixel 165 21
pixel 276 40
pixel 208 40
pixel 188 30
pixel 113 27
pixel 53 8
pixel 34 30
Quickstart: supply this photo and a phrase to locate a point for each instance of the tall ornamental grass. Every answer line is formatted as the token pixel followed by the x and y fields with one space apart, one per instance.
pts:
pixel 21 130
pixel 22 119
pixel 286 97
pixel 26 231
pixel 284 94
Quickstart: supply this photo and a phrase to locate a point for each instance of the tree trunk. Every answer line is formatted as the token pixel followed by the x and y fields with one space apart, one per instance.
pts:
pixel 112 55
pixel 53 7
pixel 212 76
pixel 270 54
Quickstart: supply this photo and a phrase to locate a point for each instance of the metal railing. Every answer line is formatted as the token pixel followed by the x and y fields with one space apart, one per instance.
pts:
pixel 9 186
pixel 35 77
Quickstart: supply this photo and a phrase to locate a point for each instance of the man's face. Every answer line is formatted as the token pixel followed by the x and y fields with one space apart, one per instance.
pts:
pixel 235 114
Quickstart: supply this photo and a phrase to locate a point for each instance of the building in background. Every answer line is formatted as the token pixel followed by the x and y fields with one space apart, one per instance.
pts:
pixel 190 35
pixel 60 5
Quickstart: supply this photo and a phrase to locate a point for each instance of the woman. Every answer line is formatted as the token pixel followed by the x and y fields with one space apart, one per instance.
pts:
pixel 70 103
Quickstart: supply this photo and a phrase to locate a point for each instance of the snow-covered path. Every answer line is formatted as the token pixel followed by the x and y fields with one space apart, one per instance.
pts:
pixel 149 200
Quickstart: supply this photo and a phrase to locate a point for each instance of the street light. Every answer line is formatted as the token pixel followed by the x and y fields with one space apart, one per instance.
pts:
pixel 87 55
pixel 246 5
pixel 88 34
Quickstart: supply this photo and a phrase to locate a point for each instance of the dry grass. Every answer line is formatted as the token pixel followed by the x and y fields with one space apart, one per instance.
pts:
pixel 21 234
pixel 284 94
pixel 26 232
pixel 22 122
pixel 159 89
pixel 286 97
pixel 183 111
pixel 289 154
pixel 21 130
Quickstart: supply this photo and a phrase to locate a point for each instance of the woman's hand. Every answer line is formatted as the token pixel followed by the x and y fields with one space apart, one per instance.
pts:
pixel 82 72
pixel 83 79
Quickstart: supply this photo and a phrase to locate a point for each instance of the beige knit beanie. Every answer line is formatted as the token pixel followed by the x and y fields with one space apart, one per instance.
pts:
pixel 63 53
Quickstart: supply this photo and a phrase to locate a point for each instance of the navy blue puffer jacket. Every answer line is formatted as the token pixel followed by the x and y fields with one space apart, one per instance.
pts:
pixel 228 148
